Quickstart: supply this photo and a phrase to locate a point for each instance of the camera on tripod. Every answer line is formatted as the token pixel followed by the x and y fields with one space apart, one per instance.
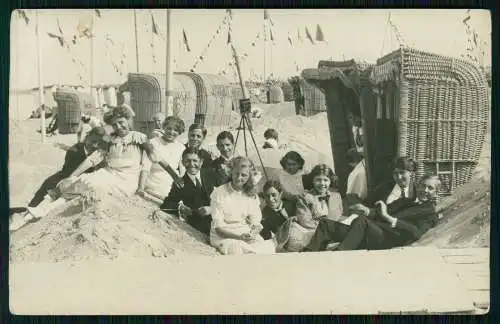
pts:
pixel 245 106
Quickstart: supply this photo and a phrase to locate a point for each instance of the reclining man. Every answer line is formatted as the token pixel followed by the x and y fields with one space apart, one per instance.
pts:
pixel 401 223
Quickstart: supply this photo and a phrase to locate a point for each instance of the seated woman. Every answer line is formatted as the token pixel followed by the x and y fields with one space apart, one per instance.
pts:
pixel 127 156
pixel 169 153
pixel 236 216
pixel 322 201
pixel 290 177
pixel 399 224
pixel 276 211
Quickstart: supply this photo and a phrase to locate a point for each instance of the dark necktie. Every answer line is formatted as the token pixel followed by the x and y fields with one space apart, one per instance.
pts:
pixel 198 184
pixel 323 198
pixel 403 193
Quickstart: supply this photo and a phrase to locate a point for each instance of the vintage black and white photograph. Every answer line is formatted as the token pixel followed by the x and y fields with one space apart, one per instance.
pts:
pixel 249 161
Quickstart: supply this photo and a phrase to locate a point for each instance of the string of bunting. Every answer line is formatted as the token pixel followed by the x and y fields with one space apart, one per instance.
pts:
pixel 396 31
pixel 218 31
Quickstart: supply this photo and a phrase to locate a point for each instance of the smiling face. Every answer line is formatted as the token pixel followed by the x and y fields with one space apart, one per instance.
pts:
pixel 121 126
pixel 272 197
pixel 192 162
pixel 402 177
pixel 170 132
pixel 225 147
pixel 321 184
pixel 195 138
pixel 291 166
pixel 240 175
pixel 428 189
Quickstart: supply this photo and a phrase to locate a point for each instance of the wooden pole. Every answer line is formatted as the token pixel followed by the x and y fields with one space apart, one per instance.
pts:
pixel 265 49
pixel 169 95
pixel 40 81
pixel 238 69
pixel 136 42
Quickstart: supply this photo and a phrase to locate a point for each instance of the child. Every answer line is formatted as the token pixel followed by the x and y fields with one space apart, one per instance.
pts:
pixel 322 201
pixel 225 145
pixel 271 139
pixel 291 175
pixel 277 210
pixel 196 135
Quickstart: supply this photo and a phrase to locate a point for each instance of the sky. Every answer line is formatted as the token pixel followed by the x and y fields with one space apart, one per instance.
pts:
pixel 360 34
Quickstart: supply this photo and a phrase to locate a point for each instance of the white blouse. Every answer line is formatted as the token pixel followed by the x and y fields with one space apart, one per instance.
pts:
pixel 291 183
pixel 159 181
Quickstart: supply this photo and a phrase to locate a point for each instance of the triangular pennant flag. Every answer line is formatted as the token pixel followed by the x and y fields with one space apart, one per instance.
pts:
pixel 290 40
pixel 59 38
pixel 23 15
pixel 266 14
pixel 272 37
pixel 229 12
pixel 98 13
pixel 186 40
pixel 299 38
pixel 154 26
pixel 308 35
pixel 229 37
pixel 319 34
pixel 474 35
pixel 466 19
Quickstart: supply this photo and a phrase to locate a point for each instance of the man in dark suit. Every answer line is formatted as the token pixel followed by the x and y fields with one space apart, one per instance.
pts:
pixel 401 185
pixel 75 155
pixel 277 210
pixel 400 224
pixel 190 198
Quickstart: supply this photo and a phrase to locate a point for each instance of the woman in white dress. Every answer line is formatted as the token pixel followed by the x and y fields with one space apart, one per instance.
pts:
pixel 169 153
pixel 127 155
pixel 236 216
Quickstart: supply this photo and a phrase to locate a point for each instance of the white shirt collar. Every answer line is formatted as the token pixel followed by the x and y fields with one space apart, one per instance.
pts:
pixel 194 177
pixel 396 194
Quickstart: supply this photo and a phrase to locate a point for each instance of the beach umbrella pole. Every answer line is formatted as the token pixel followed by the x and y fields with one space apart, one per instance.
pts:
pixel 40 82
pixel 169 95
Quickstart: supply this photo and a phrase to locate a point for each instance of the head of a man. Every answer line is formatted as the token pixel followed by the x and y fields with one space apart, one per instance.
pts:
pixel 428 188
pixel 403 171
pixel 192 160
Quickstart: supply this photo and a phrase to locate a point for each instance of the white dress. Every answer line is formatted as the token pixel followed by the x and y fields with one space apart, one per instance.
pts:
pixel 236 212
pixel 124 162
pixel 159 181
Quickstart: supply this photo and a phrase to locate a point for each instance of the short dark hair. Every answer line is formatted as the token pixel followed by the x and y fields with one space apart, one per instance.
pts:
pixel 198 126
pixel 323 169
pixel 225 135
pixel 294 156
pixel 271 133
pixel 97 131
pixel 191 150
pixel 272 184
pixel 404 163
pixel 176 122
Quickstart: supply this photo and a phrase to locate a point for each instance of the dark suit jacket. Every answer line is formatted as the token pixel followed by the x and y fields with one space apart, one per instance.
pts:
pixel 74 157
pixel 188 193
pixel 272 220
pixel 413 221
pixel 216 166
pixel 381 192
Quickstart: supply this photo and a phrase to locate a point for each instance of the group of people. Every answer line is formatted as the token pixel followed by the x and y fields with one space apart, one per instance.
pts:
pixel 296 211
